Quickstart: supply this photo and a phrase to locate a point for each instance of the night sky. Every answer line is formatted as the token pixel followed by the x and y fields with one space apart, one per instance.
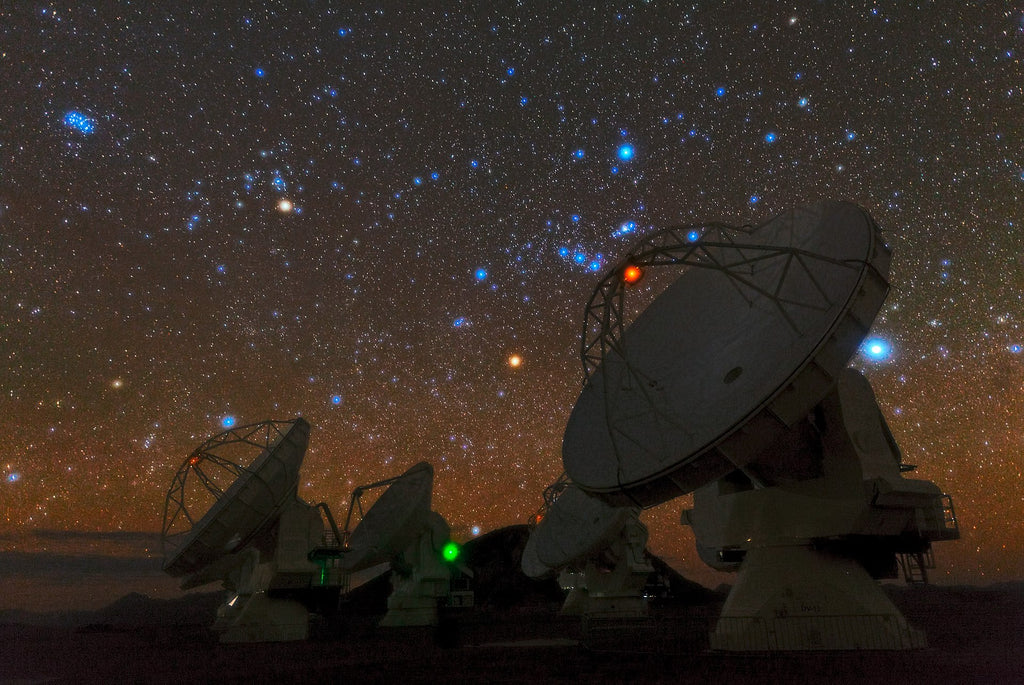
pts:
pixel 363 215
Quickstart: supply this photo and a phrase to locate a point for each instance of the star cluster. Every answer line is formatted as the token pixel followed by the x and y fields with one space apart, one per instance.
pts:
pixel 388 217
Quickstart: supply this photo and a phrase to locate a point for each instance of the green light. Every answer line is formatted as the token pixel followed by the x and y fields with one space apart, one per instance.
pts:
pixel 450 551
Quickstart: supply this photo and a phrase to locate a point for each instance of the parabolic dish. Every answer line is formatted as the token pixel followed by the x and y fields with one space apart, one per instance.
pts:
pixel 531 563
pixel 575 527
pixel 741 346
pixel 394 521
pixel 247 507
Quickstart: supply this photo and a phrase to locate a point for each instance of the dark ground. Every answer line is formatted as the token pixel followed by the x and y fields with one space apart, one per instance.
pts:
pixel 974 637
pixel 514 635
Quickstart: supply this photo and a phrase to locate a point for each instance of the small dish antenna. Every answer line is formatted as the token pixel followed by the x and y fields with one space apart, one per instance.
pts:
pixel 733 383
pixel 401 529
pixel 598 550
pixel 232 514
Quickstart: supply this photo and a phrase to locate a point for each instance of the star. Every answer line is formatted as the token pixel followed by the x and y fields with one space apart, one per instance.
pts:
pixel 876 349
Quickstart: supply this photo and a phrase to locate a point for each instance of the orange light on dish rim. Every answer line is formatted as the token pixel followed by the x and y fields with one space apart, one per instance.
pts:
pixel 632 274
pixel 193 460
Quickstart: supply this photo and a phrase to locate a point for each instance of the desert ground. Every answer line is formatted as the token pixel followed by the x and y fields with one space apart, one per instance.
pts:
pixel 513 634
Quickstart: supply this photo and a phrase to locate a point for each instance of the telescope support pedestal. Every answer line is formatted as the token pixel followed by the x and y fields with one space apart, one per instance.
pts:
pixel 797 598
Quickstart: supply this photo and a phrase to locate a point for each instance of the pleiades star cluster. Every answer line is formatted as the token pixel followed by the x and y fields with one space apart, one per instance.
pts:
pixel 388 217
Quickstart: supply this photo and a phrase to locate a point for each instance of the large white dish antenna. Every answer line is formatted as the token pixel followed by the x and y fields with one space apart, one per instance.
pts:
pixel 741 346
pixel 246 508
pixel 576 526
pixel 394 521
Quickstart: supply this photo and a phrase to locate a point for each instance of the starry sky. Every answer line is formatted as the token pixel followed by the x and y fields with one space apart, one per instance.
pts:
pixel 388 219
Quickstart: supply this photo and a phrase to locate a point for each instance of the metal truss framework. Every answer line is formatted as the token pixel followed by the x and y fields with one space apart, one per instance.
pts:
pixel 176 512
pixel 730 250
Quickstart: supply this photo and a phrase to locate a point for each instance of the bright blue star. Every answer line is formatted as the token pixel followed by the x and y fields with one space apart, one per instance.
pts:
pixel 227 421
pixel 625 152
pixel 335 400
pixel 851 135
pixel 480 274
pixel 769 137
pixel 343 31
pixel 459 322
pixel 578 153
pixel 1015 348
pixel 260 72
pixel 720 91
pixel 13 477
pixel 416 180
pixel 575 218
pixel 475 530
pixel 594 265
pixel 221 268
pixel 876 349
pixel 563 252
pixel 579 257
pixel 803 102
pixel 523 100
pixel 434 176
pixel 473 163
pixel 693 236
pixel 626 228
pixel 754 199
pixel 79 122
pixel 511 71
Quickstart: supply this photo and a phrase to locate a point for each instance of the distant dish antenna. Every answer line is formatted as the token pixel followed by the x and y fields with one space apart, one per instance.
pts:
pixel 599 551
pixel 232 514
pixel 401 529
pixel 733 382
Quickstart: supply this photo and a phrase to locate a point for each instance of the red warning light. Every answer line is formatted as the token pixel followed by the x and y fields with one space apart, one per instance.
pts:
pixel 193 460
pixel 537 518
pixel 632 274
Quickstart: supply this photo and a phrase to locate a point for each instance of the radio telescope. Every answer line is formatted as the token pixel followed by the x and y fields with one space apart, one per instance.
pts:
pixel 598 550
pixel 733 382
pixel 401 529
pixel 232 514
